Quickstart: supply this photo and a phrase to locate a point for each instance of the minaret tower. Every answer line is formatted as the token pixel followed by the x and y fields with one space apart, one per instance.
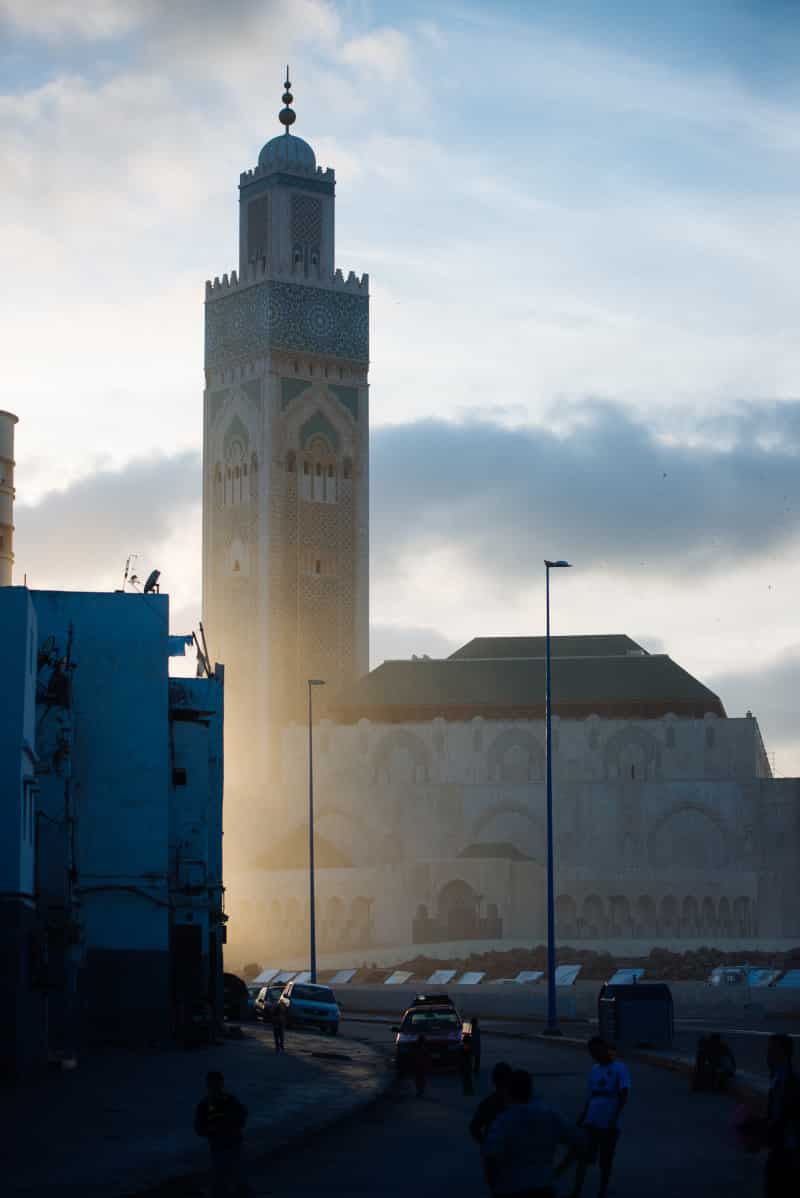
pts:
pixel 285 461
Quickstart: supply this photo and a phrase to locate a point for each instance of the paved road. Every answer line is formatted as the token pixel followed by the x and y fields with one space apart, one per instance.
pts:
pixel 673 1143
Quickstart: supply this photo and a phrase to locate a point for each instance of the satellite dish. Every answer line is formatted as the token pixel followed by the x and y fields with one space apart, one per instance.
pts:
pixel 151 586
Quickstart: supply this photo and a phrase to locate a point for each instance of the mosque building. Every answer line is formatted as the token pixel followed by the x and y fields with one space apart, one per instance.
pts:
pixel 429 775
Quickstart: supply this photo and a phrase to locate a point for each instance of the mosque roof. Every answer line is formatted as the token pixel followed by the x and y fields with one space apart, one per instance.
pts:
pixel 632 685
pixel 607 645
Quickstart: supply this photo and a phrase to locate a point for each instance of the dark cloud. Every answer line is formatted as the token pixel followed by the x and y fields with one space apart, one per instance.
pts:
pixel 607 492
pixel 82 535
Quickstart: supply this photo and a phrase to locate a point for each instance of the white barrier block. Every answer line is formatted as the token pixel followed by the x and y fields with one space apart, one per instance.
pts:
pixel 567 974
pixel 303 976
pixel 789 981
pixel 470 979
pixel 343 977
pixel 624 977
pixel 528 975
pixel 264 978
pixel 440 977
pixel 398 977
pixel 286 975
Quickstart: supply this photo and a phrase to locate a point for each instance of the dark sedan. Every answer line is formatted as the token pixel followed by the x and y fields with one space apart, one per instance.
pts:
pixel 444 1031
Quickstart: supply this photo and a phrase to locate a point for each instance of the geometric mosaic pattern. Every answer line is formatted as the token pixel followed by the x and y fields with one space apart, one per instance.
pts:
pixel 306 219
pixel 290 316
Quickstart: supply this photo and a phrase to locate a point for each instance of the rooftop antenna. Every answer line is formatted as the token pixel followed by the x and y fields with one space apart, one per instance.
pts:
pixel 128 565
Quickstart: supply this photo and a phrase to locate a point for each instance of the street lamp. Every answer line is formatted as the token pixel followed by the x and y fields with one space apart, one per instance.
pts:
pixel 312 930
pixel 551 1028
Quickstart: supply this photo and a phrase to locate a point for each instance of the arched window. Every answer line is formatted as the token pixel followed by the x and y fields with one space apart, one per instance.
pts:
pixel 320 472
pixel 291 462
pixel 234 492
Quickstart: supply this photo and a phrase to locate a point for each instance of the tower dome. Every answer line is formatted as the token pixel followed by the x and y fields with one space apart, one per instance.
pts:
pixel 287 152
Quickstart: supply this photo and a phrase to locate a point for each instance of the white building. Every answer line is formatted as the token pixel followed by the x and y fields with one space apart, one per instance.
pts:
pixel 285 462
pixel 430 810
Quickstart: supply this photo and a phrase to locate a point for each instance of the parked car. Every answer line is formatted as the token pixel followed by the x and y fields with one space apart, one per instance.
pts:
pixel 305 1003
pixel 235 997
pixel 444 1031
pixel 266 1001
pixel 432 1000
pixel 253 992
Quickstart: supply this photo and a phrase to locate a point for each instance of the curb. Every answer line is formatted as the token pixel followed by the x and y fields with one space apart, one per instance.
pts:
pixel 195 1180
pixel 745 1087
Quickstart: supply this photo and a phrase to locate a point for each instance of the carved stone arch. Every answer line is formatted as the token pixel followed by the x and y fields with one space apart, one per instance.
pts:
pixel 511 823
pixel 334 423
pixel 516 757
pixel 348 835
pixel 632 752
pixel 705 853
pixel 416 766
pixel 458 911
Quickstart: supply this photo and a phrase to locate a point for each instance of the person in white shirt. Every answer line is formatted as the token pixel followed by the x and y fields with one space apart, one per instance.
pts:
pixel 609 1087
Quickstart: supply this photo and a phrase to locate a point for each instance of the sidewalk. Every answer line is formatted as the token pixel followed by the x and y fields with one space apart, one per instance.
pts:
pixel 122 1124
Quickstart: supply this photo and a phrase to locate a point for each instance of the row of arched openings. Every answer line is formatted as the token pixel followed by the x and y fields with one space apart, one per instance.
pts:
pixel 619 917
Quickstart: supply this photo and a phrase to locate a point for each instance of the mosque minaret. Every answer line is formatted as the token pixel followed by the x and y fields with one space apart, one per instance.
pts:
pixel 285 459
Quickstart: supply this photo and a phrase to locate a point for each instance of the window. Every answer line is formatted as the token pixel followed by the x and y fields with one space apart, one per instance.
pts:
pixel 317 566
pixel 291 464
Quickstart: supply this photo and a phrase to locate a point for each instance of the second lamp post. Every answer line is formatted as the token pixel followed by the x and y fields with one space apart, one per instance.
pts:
pixel 312 929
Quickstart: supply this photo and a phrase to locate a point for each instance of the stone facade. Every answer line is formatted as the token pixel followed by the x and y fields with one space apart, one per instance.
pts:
pixel 286 465
pixel 666 830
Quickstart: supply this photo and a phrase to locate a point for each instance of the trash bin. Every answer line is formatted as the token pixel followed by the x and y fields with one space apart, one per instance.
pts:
pixel 637 1014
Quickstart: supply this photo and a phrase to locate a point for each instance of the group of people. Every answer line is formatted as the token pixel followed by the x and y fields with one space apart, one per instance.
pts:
pixel 520 1135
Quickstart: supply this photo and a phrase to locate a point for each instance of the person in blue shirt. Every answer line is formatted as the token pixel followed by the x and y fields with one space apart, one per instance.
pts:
pixel 522 1141
pixel 609 1087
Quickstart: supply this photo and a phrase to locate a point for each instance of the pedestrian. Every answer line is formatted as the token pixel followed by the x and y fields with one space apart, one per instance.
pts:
pixel 466 1066
pixel 476 1044
pixel 421 1064
pixel 493 1104
pixel 278 1026
pixel 782 1132
pixel 220 1118
pixel 521 1142
pixel 609 1087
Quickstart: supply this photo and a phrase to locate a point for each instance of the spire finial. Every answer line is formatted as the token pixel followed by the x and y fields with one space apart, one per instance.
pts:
pixel 287 116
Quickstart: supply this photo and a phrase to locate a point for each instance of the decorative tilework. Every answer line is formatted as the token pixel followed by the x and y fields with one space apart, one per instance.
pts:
pixel 290 389
pixel 319 424
pixel 287 316
pixel 306 219
pixel 347 396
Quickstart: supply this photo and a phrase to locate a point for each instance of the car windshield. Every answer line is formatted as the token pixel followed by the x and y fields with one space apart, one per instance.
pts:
pixel 426 1022
pixel 313 994
pixel 273 993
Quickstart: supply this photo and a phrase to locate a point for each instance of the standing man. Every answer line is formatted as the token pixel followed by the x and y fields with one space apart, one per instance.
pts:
pixel 493 1104
pixel 466 1064
pixel 220 1118
pixel 421 1064
pixel 278 1025
pixel 782 1132
pixel 522 1141
pixel 609 1087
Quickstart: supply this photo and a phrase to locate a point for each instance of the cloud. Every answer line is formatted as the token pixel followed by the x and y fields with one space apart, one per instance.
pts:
pixel 384 52
pixel 391 642
pixel 601 487
pixel 769 689
pixel 79 537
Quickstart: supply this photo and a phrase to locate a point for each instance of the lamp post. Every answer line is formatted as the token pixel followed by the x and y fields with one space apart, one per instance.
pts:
pixel 551 1028
pixel 312 928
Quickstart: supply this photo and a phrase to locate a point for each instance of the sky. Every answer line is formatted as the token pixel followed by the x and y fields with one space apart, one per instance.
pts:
pixel 581 227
